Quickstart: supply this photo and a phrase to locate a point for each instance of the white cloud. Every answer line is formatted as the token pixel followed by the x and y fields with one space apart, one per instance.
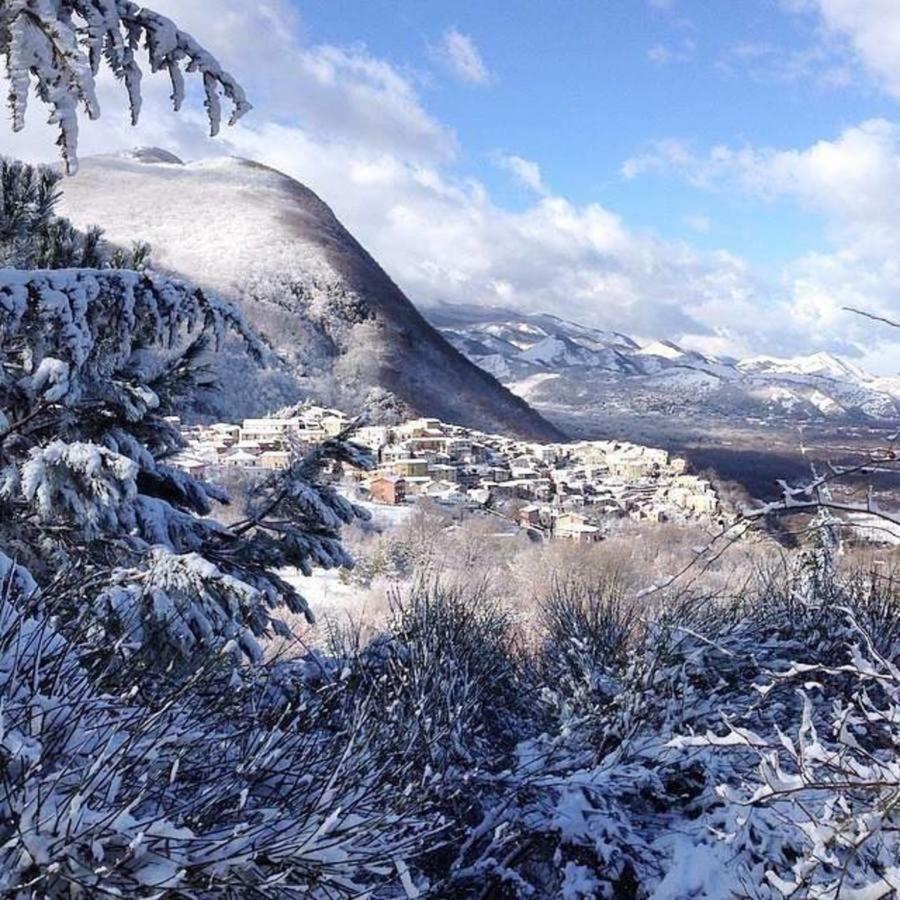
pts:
pixel 525 171
pixel 700 224
pixel 872 29
pixel 341 93
pixel 853 181
pixel 459 52
pixel 665 54
pixel 825 63
pixel 445 239
pixel 659 55
pixel 661 156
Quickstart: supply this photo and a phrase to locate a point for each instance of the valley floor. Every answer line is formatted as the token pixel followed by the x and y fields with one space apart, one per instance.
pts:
pixel 752 455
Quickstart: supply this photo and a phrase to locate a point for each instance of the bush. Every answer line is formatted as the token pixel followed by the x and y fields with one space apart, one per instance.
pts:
pixel 228 786
pixel 707 746
pixel 588 631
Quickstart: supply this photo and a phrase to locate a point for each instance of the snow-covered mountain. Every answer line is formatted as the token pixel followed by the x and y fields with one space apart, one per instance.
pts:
pixel 823 364
pixel 347 333
pixel 560 365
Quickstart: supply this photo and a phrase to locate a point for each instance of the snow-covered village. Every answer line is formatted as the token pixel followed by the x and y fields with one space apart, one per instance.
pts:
pixel 450 455
pixel 565 490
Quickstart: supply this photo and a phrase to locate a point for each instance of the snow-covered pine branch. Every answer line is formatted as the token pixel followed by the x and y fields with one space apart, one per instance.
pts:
pixel 61 43
pixel 93 363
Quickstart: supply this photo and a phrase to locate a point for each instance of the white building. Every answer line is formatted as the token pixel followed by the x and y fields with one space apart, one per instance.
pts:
pixel 269 431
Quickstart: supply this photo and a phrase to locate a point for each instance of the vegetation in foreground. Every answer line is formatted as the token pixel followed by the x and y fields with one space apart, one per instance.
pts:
pixel 691 747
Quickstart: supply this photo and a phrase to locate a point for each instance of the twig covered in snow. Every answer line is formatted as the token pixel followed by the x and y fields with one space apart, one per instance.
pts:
pixel 61 44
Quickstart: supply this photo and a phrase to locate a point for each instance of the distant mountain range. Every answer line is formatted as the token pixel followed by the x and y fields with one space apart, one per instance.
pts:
pixel 348 336
pixel 560 366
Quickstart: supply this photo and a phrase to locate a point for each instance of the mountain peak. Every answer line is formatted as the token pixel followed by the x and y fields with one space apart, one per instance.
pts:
pixel 271 245
pixel 556 350
pixel 150 155
pixel 562 371
pixel 815 364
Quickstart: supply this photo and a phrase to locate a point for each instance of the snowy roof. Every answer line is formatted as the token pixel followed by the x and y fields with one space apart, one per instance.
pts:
pixel 241 454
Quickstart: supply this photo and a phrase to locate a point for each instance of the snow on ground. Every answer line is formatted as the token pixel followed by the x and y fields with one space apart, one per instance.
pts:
pixel 825 404
pixel 529 385
pixel 869 527
pixel 697 869
pixel 330 594
pixel 558 351
pixel 383 517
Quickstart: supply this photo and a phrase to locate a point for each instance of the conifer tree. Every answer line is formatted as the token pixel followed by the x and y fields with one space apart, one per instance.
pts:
pixel 32 236
pixel 94 366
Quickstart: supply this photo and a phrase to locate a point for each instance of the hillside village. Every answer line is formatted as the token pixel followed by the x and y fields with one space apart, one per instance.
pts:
pixel 568 491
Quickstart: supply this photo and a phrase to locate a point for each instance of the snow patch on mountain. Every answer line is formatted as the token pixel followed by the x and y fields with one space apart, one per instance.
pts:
pixel 677 379
pixel 825 404
pixel 824 364
pixel 663 349
pixel 555 350
pixel 527 386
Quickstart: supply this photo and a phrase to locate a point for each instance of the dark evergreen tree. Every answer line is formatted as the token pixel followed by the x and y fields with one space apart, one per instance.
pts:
pixel 33 236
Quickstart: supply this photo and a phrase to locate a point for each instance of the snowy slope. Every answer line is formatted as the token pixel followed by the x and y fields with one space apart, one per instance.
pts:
pixel 558 351
pixel 558 364
pixel 663 349
pixel 522 329
pixel 817 364
pixel 348 334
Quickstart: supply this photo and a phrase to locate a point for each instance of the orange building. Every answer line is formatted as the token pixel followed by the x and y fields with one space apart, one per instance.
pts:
pixel 388 489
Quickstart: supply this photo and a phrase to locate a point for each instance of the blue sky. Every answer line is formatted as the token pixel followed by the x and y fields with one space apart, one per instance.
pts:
pixel 583 85
pixel 725 173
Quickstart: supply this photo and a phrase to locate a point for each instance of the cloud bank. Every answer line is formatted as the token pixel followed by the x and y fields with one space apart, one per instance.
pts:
pixel 356 129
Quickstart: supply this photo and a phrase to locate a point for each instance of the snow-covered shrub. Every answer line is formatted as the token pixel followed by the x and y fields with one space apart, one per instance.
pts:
pixel 448 673
pixel 587 632
pixel 16 583
pixel 740 746
pixel 61 44
pixel 450 695
pixel 815 756
pixel 210 791
pixel 654 786
pixel 388 557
